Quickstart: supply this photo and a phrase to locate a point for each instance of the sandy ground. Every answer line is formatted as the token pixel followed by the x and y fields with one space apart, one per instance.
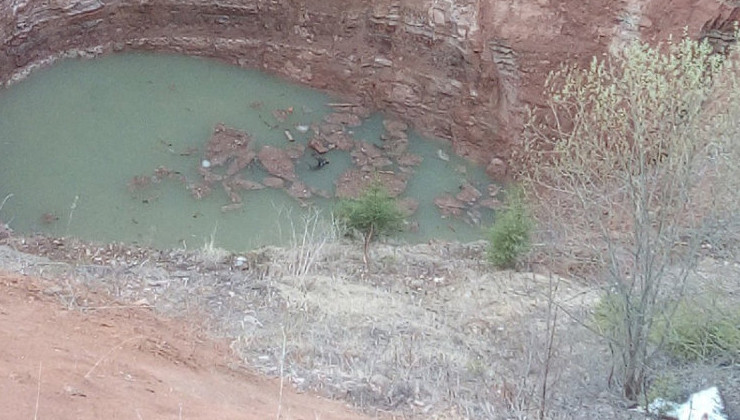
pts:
pixel 123 362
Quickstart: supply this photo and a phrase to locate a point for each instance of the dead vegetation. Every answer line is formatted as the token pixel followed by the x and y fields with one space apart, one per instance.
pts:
pixel 431 332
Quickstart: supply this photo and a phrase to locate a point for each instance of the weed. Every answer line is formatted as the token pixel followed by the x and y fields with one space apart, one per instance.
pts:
pixel 210 254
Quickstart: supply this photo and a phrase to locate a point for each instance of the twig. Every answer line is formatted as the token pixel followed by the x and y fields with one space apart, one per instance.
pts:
pixel 72 211
pixel 38 390
pixel 552 323
pixel 5 199
pixel 282 377
pixel 94 308
pixel 108 353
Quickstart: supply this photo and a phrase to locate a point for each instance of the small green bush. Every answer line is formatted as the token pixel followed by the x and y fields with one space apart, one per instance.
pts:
pixel 509 236
pixel 373 214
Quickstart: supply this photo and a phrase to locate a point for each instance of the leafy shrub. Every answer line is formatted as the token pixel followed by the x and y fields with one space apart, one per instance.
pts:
pixel 373 214
pixel 509 236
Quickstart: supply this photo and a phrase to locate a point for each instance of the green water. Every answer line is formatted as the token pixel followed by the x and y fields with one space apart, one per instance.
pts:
pixel 72 137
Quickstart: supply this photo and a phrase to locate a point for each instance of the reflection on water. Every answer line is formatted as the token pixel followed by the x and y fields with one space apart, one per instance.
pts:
pixel 82 143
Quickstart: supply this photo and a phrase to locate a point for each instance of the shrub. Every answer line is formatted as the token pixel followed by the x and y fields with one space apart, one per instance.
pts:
pixel 702 332
pixel 373 214
pixel 698 331
pixel 510 234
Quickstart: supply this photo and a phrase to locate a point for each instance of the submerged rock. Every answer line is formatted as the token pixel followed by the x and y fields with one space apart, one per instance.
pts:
pixel 240 162
pixel 408 159
pixel 326 128
pixel 490 203
pixel 226 143
pixel 468 193
pixel 200 190
pixel 273 182
pixel 395 126
pixel 353 182
pixel 231 207
pixel 300 191
pixel 408 206
pixel 295 151
pixel 368 156
pixel 238 183
pixel 344 118
pixel 282 114
pixel 277 162
pixel 449 205
pixel 340 140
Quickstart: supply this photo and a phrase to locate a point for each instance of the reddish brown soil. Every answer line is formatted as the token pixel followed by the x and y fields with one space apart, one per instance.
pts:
pixel 111 362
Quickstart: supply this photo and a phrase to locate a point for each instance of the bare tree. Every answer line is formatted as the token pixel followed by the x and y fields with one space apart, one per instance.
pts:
pixel 631 167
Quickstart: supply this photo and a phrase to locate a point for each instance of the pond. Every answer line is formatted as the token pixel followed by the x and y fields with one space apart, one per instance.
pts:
pixel 116 149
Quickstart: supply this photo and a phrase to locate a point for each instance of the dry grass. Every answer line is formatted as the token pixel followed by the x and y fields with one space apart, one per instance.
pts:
pixel 427 333
pixel 432 333
pixel 209 254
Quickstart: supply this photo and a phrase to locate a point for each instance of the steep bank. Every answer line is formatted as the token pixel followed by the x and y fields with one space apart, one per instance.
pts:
pixel 457 69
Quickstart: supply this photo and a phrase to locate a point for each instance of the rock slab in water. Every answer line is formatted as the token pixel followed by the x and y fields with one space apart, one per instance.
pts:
pixel 468 193
pixel 273 182
pixel 449 205
pixel 227 143
pixel 277 162
pixel 353 182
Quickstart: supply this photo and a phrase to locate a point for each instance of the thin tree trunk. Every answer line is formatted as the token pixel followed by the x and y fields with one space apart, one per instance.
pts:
pixel 368 239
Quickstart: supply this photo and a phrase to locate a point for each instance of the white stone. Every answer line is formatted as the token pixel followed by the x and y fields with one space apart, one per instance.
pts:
pixel 205 163
pixel 702 405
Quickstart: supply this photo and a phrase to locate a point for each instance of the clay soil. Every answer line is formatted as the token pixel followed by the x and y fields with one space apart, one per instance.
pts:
pixel 111 361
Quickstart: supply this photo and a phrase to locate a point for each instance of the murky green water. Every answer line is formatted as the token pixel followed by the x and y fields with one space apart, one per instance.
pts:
pixel 73 136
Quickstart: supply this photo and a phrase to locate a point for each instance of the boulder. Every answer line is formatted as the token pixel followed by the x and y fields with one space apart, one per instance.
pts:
pixel 317 145
pixel 497 168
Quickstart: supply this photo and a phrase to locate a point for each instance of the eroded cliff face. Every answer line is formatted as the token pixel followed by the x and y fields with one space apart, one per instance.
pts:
pixel 457 69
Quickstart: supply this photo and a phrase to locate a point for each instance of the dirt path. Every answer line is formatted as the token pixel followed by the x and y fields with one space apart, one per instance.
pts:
pixel 116 362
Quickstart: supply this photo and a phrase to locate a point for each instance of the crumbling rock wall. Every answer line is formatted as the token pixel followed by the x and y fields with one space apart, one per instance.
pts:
pixel 457 69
